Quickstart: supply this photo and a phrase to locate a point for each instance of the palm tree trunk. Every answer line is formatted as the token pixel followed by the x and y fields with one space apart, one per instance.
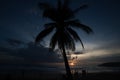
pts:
pixel 68 71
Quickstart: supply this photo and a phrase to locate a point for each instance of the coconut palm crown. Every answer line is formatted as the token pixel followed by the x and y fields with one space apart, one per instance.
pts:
pixel 63 21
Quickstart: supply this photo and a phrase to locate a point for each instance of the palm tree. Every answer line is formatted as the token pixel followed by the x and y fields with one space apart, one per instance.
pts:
pixel 63 21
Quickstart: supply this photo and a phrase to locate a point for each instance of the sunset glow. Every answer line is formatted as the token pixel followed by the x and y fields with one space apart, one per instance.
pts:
pixel 72 64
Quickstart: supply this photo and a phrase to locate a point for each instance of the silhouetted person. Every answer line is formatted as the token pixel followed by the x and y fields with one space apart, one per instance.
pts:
pixel 76 75
pixel 84 74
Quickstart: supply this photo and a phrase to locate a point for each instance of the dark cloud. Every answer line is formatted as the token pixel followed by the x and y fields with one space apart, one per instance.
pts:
pixel 29 56
pixel 14 42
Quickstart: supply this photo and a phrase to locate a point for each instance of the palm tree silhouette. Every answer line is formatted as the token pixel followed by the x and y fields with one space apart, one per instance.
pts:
pixel 63 20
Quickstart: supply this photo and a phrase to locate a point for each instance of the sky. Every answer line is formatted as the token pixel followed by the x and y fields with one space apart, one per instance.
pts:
pixel 21 21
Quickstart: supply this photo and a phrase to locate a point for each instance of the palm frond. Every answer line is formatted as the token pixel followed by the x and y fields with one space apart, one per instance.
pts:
pixel 80 8
pixel 44 33
pixel 66 12
pixel 86 28
pixel 75 36
pixel 47 25
pixel 77 24
pixel 50 13
pixel 70 42
pixel 54 40
pixel 56 14
pixel 66 40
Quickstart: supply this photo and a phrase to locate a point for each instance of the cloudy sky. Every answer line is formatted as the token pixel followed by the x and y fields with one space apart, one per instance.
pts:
pixel 22 20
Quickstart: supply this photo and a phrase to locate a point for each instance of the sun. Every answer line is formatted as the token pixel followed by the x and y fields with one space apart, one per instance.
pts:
pixel 72 64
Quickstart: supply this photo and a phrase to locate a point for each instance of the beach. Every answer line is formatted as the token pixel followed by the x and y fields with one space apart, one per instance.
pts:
pixel 37 75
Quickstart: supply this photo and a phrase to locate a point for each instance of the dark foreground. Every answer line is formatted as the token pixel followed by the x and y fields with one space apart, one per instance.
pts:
pixel 58 76
pixel 103 76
